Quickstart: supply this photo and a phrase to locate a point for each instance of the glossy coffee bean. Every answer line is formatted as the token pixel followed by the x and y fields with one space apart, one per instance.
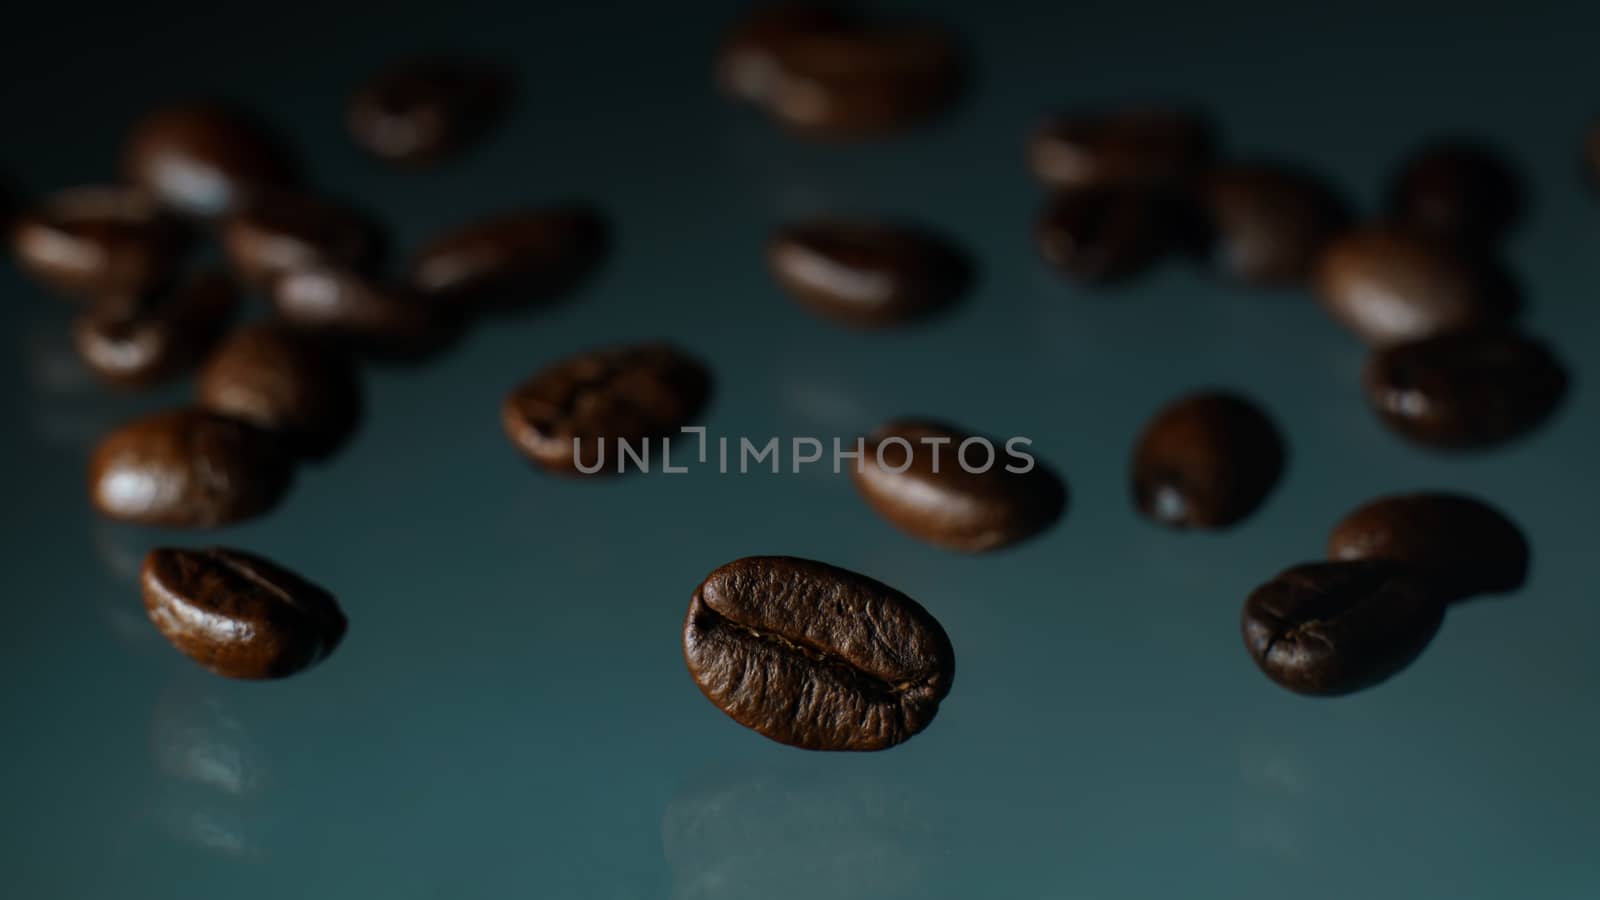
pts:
pixel 237 614
pixel 815 656
pixel 1134 147
pixel 1333 628
pixel 1466 390
pixel 137 343
pixel 596 399
pixel 205 159
pixel 292 385
pixel 1461 546
pixel 188 468
pixel 1103 235
pixel 952 489
pixel 511 260
pixel 99 240
pixel 865 79
pixel 1387 285
pixel 747 64
pixel 358 311
pixel 1207 460
pixel 425 110
pixel 867 273
pixel 282 231
pixel 1456 189
pixel 1268 222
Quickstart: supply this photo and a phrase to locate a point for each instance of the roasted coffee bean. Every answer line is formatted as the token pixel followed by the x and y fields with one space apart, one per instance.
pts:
pixel 1591 153
pixel 188 468
pixel 1456 189
pixel 284 382
pixel 815 656
pixel 282 231
pixel 1465 390
pixel 362 313
pixel 598 399
pixel 1331 628
pixel 1206 461
pixel 205 159
pixel 511 260
pixel 864 80
pixel 237 614
pixel 137 343
pixel 426 110
pixel 1103 235
pixel 1135 147
pixel 747 65
pixel 955 490
pixel 867 273
pixel 1460 545
pixel 1387 285
pixel 96 241
pixel 1269 221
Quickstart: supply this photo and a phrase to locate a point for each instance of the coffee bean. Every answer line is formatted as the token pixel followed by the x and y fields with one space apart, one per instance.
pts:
pixel 372 317
pixel 955 490
pixel 747 66
pixel 1333 628
pixel 425 110
pixel 597 399
pixel 98 240
pixel 867 273
pixel 1591 153
pixel 286 383
pixel 815 656
pixel 205 159
pixel 1103 235
pixel 1133 147
pixel 188 468
pixel 1268 221
pixel 865 80
pixel 1207 460
pixel 237 614
pixel 511 260
pixel 137 343
pixel 1456 189
pixel 1460 545
pixel 281 231
pixel 1465 391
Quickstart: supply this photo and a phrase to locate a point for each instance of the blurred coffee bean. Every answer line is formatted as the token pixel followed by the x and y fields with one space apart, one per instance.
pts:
pixel 510 260
pixel 1138 147
pixel 422 111
pixel 205 159
pixel 1591 153
pixel 98 240
pixel 1207 460
pixel 280 231
pixel 867 273
pixel 290 384
pixel 1465 391
pixel 747 66
pixel 1107 234
pixel 359 311
pixel 1269 221
pixel 140 342
pixel 1456 189
pixel 1388 285
pixel 1460 545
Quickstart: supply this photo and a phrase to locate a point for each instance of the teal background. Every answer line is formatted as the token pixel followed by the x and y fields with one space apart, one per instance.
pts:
pixel 510 715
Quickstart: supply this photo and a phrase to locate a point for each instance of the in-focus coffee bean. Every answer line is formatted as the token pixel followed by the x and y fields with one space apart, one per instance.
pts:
pixel 511 260
pixel 597 399
pixel 356 310
pixel 868 273
pixel 205 159
pixel 237 614
pixel 815 656
pixel 140 342
pixel 425 110
pixel 1207 460
pixel 1330 628
pixel 1103 235
pixel 1456 189
pixel 1268 221
pixel 284 382
pixel 953 489
pixel 188 468
pixel 1132 147
pixel 1465 391
pixel 281 231
pixel 98 240
pixel 1460 545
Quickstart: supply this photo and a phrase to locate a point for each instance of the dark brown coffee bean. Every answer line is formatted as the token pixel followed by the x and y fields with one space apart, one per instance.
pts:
pixel 815 656
pixel 1460 545
pixel 1102 235
pixel 747 65
pixel 1456 189
pixel 1207 460
pixel 597 399
pixel 864 80
pixel 1268 221
pixel 188 468
pixel 1591 153
pixel 1136 147
pixel 362 313
pixel 237 614
pixel 1388 286
pixel 139 343
pixel 96 241
pixel 426 110
pixel 281 231
pixel 205 159
pixel 1466 390
pixel 511 260
pixel 867 273
pixel 1333 628
pixel 955 490
pixel 286 383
